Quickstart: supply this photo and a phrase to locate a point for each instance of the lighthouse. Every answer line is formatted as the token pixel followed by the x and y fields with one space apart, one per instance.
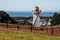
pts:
pixel 36 17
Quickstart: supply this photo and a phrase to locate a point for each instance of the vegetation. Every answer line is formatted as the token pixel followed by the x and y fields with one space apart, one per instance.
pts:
pixel 28 20
pixel 6 34
pixel 5 18
pixel 55 19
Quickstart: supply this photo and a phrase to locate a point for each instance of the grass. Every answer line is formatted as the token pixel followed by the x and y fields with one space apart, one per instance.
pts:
pixel 6 34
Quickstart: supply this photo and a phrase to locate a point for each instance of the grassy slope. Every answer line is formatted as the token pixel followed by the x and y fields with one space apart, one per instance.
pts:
pixel 6 34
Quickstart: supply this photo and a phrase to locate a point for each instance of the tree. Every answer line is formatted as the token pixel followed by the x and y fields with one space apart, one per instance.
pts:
pixel 5 18
pixel 55 19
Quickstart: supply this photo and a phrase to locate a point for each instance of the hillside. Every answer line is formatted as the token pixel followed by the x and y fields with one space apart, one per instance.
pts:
pixel 6 34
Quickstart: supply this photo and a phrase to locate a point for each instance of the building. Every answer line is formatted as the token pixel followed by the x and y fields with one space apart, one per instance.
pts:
pixel 44 22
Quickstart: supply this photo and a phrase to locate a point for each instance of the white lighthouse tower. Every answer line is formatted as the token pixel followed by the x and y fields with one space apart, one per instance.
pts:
pixel 36 18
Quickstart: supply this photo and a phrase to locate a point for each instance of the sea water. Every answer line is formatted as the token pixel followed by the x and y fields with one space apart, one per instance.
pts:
pixel 27 14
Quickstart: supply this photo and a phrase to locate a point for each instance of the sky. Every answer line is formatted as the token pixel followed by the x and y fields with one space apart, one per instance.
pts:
pixel 28 5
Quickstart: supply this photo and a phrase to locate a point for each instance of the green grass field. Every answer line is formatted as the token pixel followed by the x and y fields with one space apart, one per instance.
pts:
pixel 6 34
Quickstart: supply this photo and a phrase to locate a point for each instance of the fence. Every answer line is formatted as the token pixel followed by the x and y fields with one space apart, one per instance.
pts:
pixel 51 30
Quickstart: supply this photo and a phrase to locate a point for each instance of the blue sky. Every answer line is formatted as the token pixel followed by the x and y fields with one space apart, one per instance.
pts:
pixel 28 5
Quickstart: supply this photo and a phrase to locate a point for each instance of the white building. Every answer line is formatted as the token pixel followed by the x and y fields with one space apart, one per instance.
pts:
pixel 44 22
pixel 36 18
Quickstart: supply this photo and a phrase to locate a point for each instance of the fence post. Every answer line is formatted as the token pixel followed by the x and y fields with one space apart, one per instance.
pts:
pixel 59 29
pixel 47 29
pixel 7 25
pixel 31 27
pixel 52 30
pixel 17 26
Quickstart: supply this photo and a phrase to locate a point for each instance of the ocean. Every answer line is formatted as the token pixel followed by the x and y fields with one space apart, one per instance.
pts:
pixel 27 14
